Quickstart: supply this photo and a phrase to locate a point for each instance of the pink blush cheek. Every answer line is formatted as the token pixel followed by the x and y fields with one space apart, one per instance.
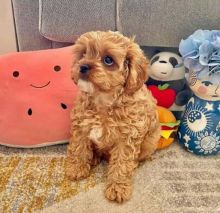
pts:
pixel 202 89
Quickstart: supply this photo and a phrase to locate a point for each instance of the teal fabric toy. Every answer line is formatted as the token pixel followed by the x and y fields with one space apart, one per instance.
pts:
pixel 199 130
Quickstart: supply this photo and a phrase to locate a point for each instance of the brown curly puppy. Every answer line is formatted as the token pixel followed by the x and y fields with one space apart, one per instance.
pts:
pixel 115 115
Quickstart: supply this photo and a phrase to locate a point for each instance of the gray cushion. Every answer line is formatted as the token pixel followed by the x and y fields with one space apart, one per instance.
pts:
pixel 65 20
pixel 166 22
pixel 26 21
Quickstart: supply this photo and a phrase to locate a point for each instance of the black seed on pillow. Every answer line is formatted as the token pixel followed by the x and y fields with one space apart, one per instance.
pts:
pixel 64 106
pixel 173 61
pixel 57 68
pixel 154 60
pixel 30 111
pixel 15 74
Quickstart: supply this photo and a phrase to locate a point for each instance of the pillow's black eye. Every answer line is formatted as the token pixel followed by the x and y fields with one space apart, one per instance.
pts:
pixel 64 106
pixel 207 83
pixel 108 60
pixel 15 74
pixel 57 68
pixel 29 111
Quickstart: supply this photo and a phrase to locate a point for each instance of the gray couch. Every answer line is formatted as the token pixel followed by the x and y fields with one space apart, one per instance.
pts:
pixel 42 24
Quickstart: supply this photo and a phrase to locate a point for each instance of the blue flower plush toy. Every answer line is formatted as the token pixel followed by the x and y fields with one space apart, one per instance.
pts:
pixel 199 130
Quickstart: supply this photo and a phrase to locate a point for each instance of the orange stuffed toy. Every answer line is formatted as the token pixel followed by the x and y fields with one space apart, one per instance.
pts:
pixel 169 126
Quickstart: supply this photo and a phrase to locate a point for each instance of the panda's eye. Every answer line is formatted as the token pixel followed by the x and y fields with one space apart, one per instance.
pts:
pixel 173 61
pixel 108 60
pixel 16 74
pixel 154 60
pixel 207 83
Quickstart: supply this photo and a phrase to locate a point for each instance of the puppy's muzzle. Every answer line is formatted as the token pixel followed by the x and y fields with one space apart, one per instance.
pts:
pixel 84 68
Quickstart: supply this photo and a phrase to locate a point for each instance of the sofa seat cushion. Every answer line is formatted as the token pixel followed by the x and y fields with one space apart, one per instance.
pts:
pixel 64 21
pixel 165 22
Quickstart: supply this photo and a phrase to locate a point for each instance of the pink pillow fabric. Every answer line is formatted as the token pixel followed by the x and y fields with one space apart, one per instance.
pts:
pixel 36 96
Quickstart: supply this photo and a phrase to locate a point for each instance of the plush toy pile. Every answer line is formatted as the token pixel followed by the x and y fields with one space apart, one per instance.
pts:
pixel 168 85
pixel 167 82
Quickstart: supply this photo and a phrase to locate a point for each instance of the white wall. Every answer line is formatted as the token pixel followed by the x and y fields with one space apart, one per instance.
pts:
pixel 7 31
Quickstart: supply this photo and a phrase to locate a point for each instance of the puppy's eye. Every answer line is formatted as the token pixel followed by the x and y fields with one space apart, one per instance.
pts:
pixel 207 83
pixel 108 60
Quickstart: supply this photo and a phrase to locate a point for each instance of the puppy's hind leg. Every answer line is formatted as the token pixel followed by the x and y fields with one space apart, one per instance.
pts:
pixel 150 144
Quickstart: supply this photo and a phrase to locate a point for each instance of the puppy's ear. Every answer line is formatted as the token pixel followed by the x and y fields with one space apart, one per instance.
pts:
pixel 137 66
pixel 78 51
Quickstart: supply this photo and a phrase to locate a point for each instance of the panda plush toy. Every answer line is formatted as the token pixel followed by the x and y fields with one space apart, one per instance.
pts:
pixel 167 82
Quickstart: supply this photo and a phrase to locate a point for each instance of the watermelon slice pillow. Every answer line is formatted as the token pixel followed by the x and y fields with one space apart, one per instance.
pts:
pixel 36 94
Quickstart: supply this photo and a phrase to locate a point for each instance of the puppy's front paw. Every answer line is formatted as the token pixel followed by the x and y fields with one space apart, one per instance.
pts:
pixel 77 171
pixel 119 192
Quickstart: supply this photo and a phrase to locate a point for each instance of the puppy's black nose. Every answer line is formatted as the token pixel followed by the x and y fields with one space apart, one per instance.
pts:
pixel 84 68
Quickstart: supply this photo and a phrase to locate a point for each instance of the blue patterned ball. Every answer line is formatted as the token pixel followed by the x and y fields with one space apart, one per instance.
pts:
pixel 199 130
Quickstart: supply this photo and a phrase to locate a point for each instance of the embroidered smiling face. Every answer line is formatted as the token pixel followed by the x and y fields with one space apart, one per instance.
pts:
pixel 36 94
pixel 206 87
pixel 16 74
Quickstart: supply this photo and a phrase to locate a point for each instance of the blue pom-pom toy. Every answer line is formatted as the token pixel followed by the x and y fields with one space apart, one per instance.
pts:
pixel 199 130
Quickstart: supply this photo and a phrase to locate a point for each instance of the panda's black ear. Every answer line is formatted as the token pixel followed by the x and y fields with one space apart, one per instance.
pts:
pixel 156 52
